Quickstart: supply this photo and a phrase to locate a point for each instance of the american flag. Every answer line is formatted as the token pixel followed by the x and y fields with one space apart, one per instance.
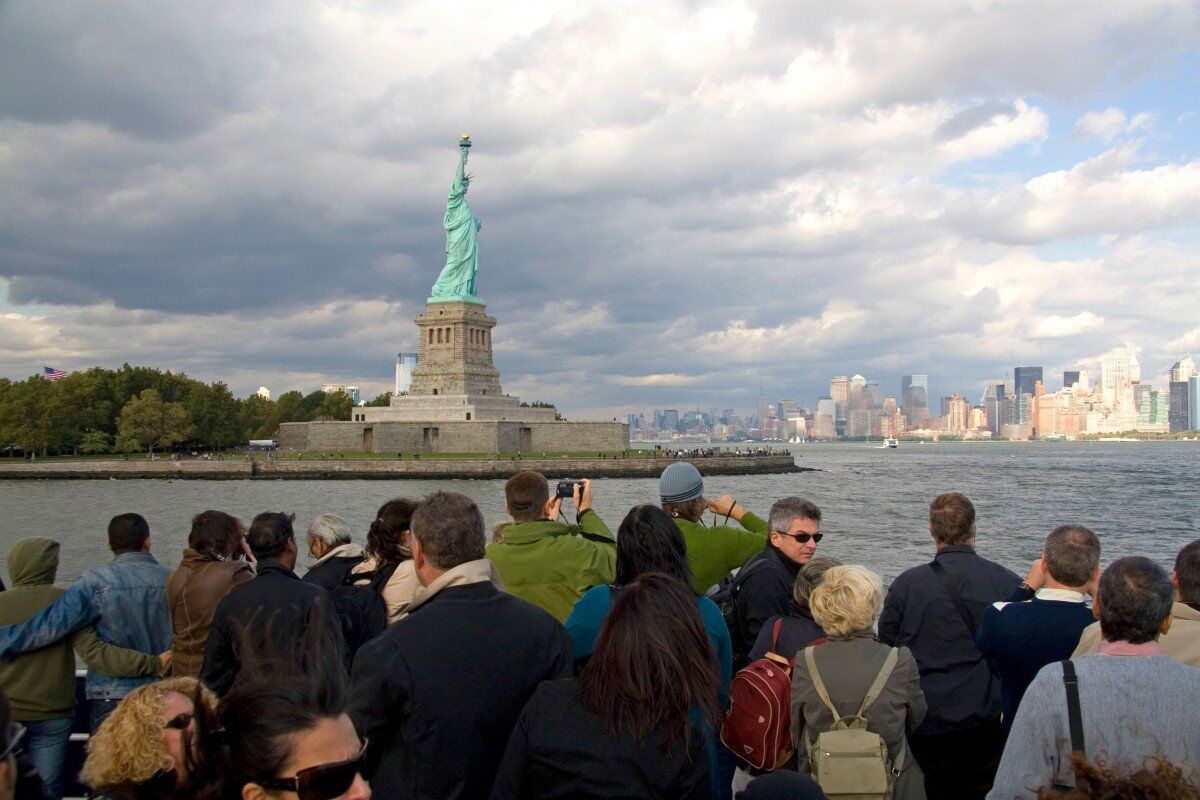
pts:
pixel 52 374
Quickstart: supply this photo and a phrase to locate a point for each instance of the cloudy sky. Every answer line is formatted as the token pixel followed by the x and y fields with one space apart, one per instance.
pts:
pixel 680 200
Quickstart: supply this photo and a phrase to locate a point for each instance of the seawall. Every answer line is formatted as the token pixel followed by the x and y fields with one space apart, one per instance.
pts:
pixel 392 469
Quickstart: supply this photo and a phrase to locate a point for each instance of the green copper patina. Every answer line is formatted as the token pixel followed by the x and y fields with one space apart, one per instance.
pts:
pixel 456 284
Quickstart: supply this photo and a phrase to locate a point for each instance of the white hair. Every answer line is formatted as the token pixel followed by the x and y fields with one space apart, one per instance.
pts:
pixel 330 529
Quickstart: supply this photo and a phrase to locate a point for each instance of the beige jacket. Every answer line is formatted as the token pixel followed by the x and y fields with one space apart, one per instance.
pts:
pixel 1182 643
pixel 400 589
pixel 469 572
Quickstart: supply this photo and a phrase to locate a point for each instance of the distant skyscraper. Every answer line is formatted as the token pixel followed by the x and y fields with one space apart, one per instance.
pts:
pixel 670 419
pixel 839 392
pixel 914 398
pixel 1183 370
pixel 355 395
pixel 404 370
pixel 1025 379
pixel 1194 403
pixel 1070 378
pixel 1180 413
pixel 873 395
pixel 993 406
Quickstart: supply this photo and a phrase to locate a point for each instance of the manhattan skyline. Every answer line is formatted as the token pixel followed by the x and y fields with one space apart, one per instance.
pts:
pixel 681 200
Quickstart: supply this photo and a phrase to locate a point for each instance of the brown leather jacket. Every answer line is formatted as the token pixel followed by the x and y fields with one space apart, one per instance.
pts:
pixel 193 592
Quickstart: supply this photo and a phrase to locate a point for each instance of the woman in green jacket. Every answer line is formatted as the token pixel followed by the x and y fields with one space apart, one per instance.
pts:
pixel 713 552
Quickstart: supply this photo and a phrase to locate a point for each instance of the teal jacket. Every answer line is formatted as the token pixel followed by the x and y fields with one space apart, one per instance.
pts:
pixel 551 564
pixel 715 552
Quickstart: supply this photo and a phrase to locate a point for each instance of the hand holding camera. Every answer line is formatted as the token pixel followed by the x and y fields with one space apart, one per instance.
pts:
pixel 578 489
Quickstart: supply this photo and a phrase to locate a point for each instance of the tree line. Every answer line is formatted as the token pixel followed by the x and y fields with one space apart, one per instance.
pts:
pixel 143 408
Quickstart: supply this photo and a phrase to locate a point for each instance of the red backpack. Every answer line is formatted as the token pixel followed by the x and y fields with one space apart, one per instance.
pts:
pixel 758 727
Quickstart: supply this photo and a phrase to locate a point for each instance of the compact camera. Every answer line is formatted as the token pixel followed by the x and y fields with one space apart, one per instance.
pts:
pixel 566 489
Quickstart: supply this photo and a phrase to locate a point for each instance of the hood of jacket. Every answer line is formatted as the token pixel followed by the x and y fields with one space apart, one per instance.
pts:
pixel 33 561
pixel 479 571
pixel 347 550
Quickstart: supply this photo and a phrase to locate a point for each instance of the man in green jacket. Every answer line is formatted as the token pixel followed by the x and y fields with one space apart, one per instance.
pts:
pixel 712 552
pixel 550 563
pixel 41 684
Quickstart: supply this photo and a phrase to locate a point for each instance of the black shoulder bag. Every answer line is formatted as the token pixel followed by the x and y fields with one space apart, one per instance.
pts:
pixel 1074 713
pixel 960 606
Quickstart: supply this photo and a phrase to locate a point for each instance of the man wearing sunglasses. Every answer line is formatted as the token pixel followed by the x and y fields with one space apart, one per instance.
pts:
pixel 763 588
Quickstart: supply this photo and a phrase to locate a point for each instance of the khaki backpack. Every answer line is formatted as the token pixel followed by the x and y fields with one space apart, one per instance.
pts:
pixel 849 761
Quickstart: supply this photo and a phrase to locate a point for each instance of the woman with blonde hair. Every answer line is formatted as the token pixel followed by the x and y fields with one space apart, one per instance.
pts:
pixel 146 747
pixel 834 680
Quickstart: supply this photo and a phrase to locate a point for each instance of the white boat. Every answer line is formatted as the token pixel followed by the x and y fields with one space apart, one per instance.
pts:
pixel 892 442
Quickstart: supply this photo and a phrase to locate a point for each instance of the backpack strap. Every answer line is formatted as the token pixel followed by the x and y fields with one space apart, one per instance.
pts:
pixel 775 633
pixel 819 684
pixel 885 672
pixel 1074 712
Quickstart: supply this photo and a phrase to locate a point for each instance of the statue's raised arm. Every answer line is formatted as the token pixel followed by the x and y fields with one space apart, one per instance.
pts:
pixel 457 281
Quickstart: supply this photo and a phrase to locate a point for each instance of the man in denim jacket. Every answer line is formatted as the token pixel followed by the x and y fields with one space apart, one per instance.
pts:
pixel 125 598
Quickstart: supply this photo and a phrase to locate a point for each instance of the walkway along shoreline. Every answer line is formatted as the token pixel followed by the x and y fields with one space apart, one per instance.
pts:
pixel 390 469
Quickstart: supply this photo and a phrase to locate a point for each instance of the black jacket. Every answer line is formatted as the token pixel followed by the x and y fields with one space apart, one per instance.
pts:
pixel 438 693
pixel 918 614
pixel 796 631
pixel 276 597
pixel 333 572
pixel 558 750
pixel 765 592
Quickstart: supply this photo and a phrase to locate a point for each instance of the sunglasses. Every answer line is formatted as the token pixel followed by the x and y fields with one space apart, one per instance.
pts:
pixel 16 732
pixel 322 782
pixel 180 722
pixel 802 538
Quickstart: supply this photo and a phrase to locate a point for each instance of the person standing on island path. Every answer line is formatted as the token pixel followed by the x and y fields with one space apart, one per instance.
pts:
pixel 125 598
pixel 457 279
pixel 713 552
pixel 959 743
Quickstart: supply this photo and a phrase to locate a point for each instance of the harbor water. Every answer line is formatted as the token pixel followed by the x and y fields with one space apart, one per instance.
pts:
pixel 1140 497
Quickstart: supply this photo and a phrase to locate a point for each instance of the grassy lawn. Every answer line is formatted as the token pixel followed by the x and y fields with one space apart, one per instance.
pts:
pixel 420 456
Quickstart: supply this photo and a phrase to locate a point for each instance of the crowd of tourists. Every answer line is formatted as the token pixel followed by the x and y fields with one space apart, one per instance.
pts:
pixel 554 659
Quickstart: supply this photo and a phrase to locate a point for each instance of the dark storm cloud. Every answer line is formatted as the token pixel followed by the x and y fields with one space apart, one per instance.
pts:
pixel 678 203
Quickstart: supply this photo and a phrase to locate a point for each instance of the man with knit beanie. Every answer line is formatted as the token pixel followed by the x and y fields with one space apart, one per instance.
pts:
pixel 713 552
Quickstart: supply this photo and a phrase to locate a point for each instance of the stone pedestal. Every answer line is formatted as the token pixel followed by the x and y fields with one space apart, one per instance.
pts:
pixel 455 352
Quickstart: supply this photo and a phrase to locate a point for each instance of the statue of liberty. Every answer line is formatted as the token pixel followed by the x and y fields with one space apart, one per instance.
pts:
pixel 457 281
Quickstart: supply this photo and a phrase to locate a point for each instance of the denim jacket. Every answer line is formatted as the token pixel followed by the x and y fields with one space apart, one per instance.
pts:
pixel 126 599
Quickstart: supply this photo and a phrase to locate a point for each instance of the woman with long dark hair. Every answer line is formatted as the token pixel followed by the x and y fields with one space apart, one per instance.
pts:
pixel 282 730
pixel 647 541
pixel 388 555
pixel 633 723
pixel 211 568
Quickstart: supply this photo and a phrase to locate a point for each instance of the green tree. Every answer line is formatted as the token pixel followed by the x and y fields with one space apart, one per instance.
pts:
pixel 384 399
pixel 310 403
pixel 95 442
pixel 153 422
pixel 214 413
pixel 256 418
pixel 126 443
pixel 335 406
pixel 25 415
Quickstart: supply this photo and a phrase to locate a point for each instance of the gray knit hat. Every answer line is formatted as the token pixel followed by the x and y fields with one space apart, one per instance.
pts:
pixel 680 482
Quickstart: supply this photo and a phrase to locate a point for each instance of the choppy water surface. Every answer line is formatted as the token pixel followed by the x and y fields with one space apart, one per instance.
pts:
pixel 1141 497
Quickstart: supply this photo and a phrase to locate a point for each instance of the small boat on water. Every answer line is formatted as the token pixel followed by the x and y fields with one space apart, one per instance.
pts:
pixel 892 442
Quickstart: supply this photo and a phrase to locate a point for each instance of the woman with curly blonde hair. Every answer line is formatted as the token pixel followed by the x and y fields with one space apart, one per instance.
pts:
pixel 144 749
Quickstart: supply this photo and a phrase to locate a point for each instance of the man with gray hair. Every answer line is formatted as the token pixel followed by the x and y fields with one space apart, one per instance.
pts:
pixel 1133 702
pixel 1042 620
pixel 329 543
pixel 762 588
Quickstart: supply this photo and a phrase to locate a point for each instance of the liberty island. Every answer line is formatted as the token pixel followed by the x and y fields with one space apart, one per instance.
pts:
pixel 455 403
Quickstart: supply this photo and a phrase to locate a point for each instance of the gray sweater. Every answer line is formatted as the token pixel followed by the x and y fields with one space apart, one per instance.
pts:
pixel 1132 707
